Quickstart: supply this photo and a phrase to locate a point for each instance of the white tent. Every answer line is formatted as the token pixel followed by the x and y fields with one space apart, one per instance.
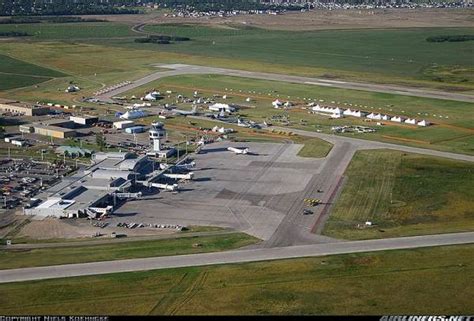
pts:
pixel 396 119
pixel 276 104
pixel 423 123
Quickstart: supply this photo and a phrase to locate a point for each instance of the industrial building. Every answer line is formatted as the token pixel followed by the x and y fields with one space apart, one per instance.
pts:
pixel 16 107
pixel 57 128
pixel 85 120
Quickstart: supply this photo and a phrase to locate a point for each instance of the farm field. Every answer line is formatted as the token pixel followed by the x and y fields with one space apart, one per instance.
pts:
pixel 434 281
pixel 453 129
pixel 15 73
pixel 403 194
pixel 10 259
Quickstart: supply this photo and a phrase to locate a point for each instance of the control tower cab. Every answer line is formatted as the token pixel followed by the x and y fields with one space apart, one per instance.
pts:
pixel 157 131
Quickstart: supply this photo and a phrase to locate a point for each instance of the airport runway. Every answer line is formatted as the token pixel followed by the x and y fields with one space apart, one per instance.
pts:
pixel 182 69
pixel 237 256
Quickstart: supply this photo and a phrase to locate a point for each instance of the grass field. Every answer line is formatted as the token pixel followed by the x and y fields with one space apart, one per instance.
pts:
pixel 10 259
pixel 432 281
pixel 70 31
pixel 108 51
pixel 395 52
pixel 15 73
pixel 454 121
pixel 403 194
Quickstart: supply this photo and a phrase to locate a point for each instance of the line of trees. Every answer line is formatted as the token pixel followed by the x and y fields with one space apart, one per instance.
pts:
pixel 455 38
pixel 164 40
pixel 66 7
pixel 53 19
pixel 14 34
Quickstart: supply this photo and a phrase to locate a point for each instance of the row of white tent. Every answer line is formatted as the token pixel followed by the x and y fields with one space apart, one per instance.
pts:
pixel 337 112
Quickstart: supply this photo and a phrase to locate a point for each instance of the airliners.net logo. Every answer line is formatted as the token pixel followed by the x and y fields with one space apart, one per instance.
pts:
pixel 426 318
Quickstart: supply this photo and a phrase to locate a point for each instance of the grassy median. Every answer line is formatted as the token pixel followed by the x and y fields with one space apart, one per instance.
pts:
pixel 19 258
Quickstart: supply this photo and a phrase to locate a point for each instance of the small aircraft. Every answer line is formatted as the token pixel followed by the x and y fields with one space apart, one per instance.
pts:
pixel 185 112
pixel 238 150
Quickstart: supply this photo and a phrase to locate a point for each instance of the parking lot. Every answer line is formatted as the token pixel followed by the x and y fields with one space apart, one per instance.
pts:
pixel 251 193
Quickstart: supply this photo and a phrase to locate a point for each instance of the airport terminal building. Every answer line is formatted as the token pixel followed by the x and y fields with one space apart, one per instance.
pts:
pixel 93 191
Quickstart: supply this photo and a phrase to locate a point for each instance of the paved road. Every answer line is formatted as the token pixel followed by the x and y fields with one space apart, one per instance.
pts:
pixel 182 69
pixel 238 256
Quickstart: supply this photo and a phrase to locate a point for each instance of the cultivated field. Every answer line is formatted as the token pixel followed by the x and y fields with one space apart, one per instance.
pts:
pixel 426 281
pixel 403 194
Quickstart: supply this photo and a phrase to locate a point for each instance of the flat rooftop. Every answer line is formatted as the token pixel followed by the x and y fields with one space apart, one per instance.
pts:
pixel 17 103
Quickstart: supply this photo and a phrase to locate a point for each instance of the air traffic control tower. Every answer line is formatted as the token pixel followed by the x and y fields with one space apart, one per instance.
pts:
pixel 157 133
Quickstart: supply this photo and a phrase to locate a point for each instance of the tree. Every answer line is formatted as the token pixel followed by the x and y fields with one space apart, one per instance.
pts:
pixel 100 141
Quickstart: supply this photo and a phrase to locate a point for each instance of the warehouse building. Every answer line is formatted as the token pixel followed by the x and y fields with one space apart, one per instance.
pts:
pixel 25 109
pixel 85 120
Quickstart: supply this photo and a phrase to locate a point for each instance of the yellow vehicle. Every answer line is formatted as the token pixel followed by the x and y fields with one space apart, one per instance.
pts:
pixel 312 201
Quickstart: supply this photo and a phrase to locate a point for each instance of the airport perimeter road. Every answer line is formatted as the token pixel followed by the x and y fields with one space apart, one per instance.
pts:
pixel 182 69
pixel 238 256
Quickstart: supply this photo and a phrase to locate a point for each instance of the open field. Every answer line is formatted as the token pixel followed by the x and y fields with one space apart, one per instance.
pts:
pixel 16 73
pixel 403 194
pixel 17 258
pixel 435 281
pixel 392 53
pixel 95 54
pixel 453 129
pixel 70 31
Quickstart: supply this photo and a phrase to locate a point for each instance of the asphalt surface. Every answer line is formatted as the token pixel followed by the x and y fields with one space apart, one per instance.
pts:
pixel 182 69
pixel 238 256
pixel 368 144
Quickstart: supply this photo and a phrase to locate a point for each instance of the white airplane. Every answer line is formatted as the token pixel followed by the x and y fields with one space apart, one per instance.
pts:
pixel 166 187
pixel 238 150
pixel 185 112
pixel 188 177
pixel 187 166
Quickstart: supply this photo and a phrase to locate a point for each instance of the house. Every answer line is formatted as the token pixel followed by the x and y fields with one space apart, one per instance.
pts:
pixel 396 119
pixel 410 121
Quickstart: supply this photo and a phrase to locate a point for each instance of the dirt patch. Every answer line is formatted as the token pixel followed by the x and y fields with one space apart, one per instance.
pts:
pixel 65 229
pixel 325 19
